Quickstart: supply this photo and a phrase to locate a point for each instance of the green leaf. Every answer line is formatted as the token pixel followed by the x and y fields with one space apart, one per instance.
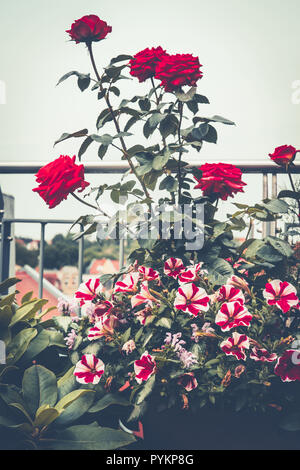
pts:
pixel 220 270
pixel 27 297
pixel 70 398
pixel 102 151
pixel 161 160
pixel 66 136
pixel 88 437
pixel 76 408
pixel 39 387
pixel 84 81
pixel 84 146
pixel 168 125
pixel 184 97
pixel 120 58
pixel 291 194
pixel 104 139
pixel 17 347
pixel 108 400
pixel 5 285
pixel 67 383
pixel 164 322
pixel 169 183
pixel 45 415
pixel 211 135
pixel 146 390
pixel 37 345
pixel 27 311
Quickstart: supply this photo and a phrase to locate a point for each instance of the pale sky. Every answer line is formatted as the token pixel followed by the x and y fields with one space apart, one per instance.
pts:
pixel 250 56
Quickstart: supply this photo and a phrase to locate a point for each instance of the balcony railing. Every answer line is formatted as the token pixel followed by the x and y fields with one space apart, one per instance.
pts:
pixel 264 168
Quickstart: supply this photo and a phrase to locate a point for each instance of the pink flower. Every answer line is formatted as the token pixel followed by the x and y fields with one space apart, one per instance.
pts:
pixel 104 327
pixel 89 290
pixel 191 299
pixel 236 345
pixel 145 313
pixel 238 282
pixel 282 294
pixel 228 293
pixel 239 370
pixel 129 346
pixel 89 369
pixel 173 267
pixel 191 274
pixel 67 307
pixel 144 367
pixel 261 354
pixel 288 366
pixel 144 297
pixel 148 274
pixel 70 339
pixel 128 284
pixel 188 381
pixel 231 315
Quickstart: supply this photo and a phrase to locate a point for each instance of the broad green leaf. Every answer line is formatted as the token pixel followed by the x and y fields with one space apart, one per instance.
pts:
pixel 39 387
pixel 88 437
pixel 146 390
pixel 28 311
pixel 66 136
pixel 107 400
pixel 71 397
pixel 45 415
pixel 76 409
pixel 17 347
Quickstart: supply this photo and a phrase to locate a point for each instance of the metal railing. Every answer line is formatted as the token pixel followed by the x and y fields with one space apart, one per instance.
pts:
pixel 265 168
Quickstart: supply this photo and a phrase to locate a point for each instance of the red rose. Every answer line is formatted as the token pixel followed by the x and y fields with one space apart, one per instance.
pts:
pixel 144 63
pixel 89 28
pixel 178 70
pixel 288 366
pixel 58 179
pixel 283 155
pixel 220 179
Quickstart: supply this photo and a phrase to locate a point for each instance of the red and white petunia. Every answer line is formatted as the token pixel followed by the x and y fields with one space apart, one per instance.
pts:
pixel 238 282
pixel 143 297
pixel 288 366
pixel 89 369
pixel 228 293
pixel 188 381
pixel 104 327
pixel 262 355
pixel 231 315
pixel 236 345
pixel 282 294
pixel 173 267
pixel 89 290
pixel 145 313
pixel 148 274
pixel 191 299
pixel 144 367
pixel 128 284
pixel 190 274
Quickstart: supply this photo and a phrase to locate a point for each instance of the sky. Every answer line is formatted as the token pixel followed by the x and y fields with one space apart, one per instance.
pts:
pixel 249 53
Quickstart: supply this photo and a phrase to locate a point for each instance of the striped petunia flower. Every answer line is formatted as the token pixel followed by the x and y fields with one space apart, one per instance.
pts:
pixel 191 299
pixel 282 294
pixel 128 283
pixel 89 369
pixel 236 345
pixel 232 315
pixel 89 290
pixel 173 267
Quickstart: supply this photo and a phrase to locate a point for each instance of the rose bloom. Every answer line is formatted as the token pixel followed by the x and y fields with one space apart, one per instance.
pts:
pixel 144 367
pixel 144 63
pixel 188 381
pixel 283 155
pixel 104 327
pixel 58 179
pixel 178 70
pixel 232 315
pixel 282 294
pixel 288 366
pixel 128 284
pixel 89 369
pixel 129 346
pixel 173 267
pixel 148 274
pixel 236 345
pixel 262 355
pixel 89 28
pixel 191 299
pixel 88 291
pixel 220 179
pixel 228 293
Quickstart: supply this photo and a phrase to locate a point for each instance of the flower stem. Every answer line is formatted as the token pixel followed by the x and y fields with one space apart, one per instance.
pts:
pixel 124 148
pixel 89 205
pixel 294 189
pixel 180 108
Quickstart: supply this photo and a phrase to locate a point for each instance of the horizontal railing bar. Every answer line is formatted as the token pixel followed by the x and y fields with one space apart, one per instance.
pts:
pixel 247 166
pixel 39 221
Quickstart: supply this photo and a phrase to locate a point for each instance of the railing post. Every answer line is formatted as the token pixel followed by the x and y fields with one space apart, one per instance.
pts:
pixel 80 256
pixel 265 194
pixel 41 260
pixel 121 252
pixel 5 249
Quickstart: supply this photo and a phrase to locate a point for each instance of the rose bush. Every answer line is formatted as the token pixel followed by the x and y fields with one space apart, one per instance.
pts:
pixel 179 327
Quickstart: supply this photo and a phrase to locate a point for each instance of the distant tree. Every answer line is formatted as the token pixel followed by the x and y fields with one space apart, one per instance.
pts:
pixel 25 256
